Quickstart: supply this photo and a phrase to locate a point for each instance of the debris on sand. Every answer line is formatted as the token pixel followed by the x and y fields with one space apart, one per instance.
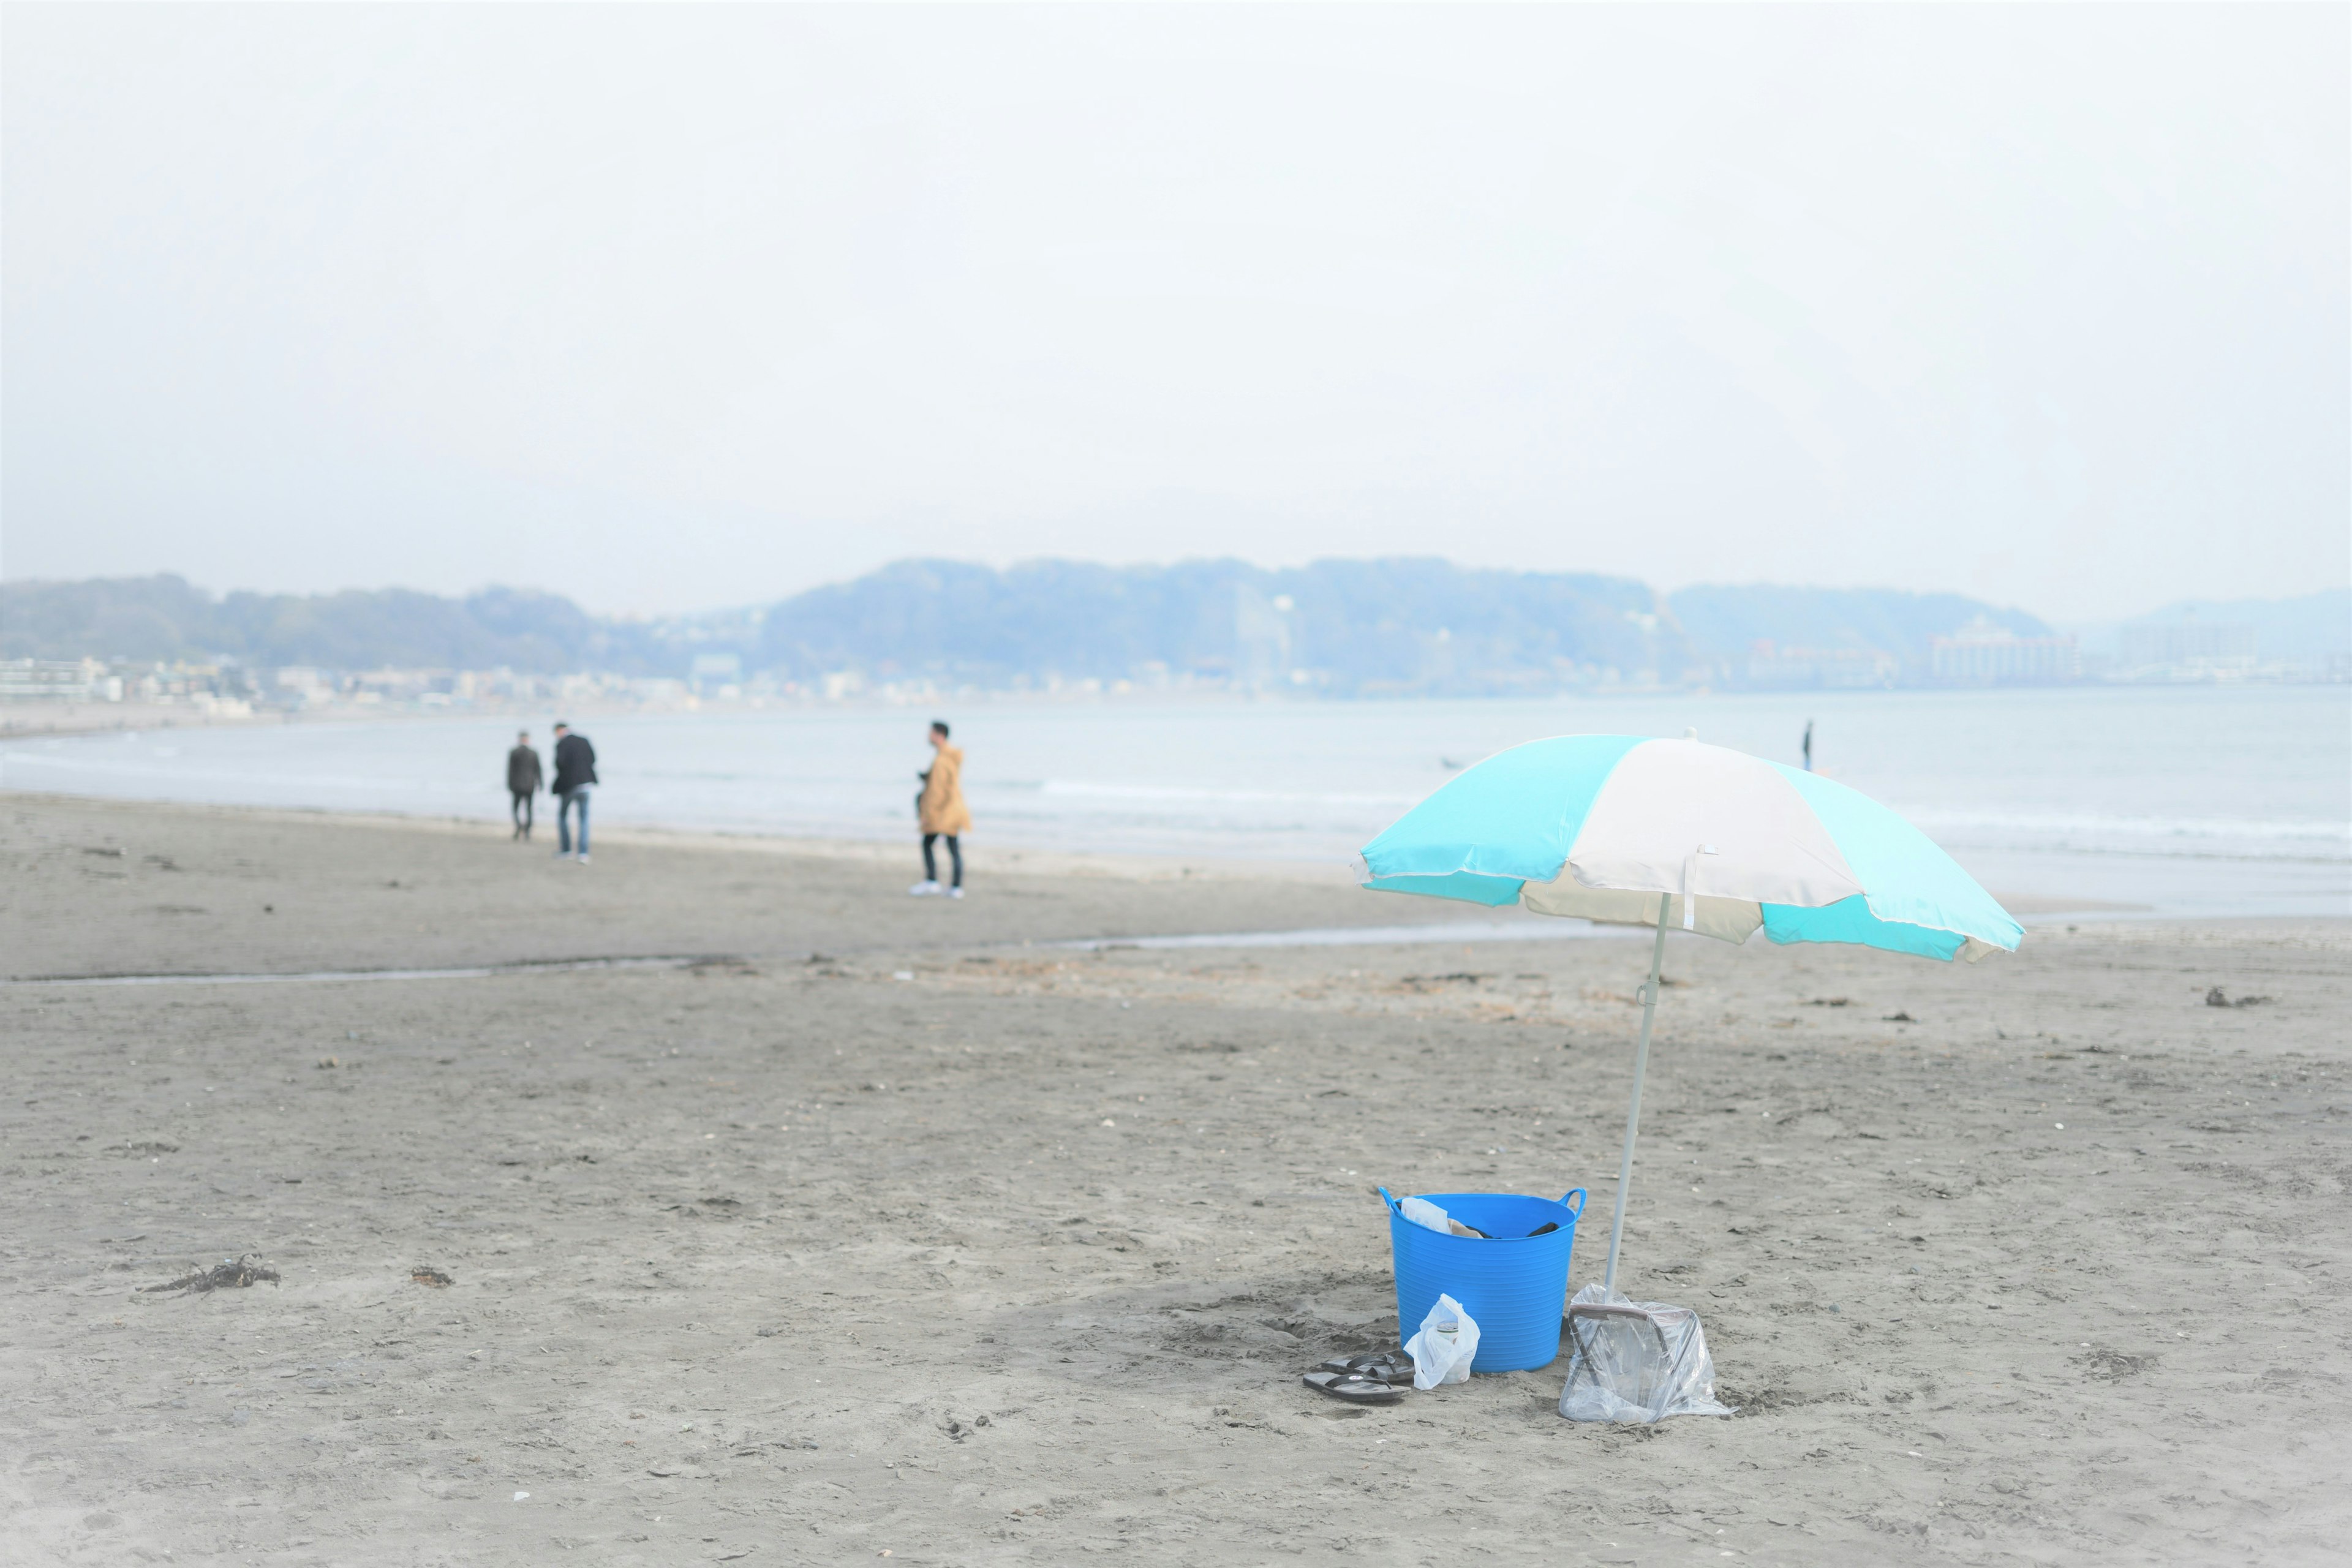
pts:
pixel 2112 1366
pixel 433 1276
pixel 237 1271
pixel 2217 997
pixel 1899 1018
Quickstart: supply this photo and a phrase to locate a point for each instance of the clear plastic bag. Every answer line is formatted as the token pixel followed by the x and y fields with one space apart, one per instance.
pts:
pixel 1445 1346
pixel 1635 1360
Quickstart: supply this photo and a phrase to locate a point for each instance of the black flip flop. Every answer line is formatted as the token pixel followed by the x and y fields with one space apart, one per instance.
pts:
pixel 1353 1389
pixel 1391 1366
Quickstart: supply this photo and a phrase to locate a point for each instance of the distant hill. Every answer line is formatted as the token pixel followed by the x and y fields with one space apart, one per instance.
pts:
pixel 1387 626
pixel 165 618
pixel 2308 629
pixel 1728 621
pixel 1346 627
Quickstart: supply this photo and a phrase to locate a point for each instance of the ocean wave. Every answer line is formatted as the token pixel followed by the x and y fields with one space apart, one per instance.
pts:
pixel 281 779
pixel 2297 830
pixel 1086 789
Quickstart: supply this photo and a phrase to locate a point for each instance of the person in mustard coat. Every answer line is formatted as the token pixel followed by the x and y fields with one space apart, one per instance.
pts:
pixel 943 814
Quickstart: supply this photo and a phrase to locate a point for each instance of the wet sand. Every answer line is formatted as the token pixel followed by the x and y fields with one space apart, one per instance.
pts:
pixel 863 1228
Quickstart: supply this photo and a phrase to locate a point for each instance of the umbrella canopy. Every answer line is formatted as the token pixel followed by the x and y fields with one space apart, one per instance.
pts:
pixel 1601 826
pixel 1626 829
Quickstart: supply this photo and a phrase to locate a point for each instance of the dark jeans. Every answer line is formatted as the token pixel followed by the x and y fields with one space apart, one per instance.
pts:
pixel 955 857
pixel 522 804
pixel 566 802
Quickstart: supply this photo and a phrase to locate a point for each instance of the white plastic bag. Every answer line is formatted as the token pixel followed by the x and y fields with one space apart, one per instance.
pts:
pixel 1429 1216
pixel 1442 1351
pixel 1635 1360
pixel 1426 1215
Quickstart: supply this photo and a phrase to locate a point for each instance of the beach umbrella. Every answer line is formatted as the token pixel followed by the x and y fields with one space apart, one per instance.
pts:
pixel 1630 830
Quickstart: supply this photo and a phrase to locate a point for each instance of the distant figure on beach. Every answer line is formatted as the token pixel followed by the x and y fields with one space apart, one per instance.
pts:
pixel 1808 745
pixel 576 772
pixel 942 814
pixel 523 779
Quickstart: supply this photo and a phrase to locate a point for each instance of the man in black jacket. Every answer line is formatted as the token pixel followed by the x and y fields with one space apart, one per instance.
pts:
pixel 575 770
pixel 523 780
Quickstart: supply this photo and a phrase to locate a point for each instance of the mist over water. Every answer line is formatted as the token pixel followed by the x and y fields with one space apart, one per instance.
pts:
pixel 2193 801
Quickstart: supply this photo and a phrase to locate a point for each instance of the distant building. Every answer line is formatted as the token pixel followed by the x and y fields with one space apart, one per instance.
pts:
pixel 304 685
pixel 2187 650
pixel 1983 653
pixel 711 670
pixel 1836 668
pixel 57 681
pixel 378 686
pixel 1264 644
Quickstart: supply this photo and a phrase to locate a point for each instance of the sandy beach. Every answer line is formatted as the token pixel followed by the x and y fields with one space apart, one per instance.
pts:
pixel 863 1228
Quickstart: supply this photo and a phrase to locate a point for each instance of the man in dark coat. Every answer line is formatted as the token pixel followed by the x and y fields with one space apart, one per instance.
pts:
pixel 522 782
pixel 576 772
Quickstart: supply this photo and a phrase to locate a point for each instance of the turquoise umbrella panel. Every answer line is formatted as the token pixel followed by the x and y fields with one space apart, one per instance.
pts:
pixel 1599 826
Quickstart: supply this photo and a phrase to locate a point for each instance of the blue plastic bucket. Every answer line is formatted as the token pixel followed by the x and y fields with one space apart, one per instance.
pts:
pixel 1513 1285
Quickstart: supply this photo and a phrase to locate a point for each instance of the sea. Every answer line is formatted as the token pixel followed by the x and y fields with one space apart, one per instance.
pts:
pixel 2154 801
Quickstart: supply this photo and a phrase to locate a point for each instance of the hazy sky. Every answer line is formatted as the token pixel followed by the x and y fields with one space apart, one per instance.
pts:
pixel 674 307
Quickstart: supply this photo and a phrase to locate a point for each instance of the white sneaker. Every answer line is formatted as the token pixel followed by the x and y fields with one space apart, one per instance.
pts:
pixel 925 890
pixel 583 858
pixel 955 893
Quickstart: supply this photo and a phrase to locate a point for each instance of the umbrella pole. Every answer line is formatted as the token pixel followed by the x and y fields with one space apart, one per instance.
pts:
pixel 1633 1110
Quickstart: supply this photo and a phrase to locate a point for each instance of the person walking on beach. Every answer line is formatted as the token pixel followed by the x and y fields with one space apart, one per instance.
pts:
pixel 523 779
pixel 575 773
pixel 942 814
pixel 1808 745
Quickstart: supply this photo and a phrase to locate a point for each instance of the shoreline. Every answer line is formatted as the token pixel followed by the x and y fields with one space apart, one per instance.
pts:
pixel 2029 909
pixel 33 719
pixel 2009 790
pixel 26 721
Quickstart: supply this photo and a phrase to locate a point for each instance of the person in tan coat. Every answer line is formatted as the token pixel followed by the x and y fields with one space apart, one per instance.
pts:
pixel 943 814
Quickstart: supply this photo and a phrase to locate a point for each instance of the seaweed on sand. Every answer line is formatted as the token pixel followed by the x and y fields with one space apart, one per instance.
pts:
pixel 230 1271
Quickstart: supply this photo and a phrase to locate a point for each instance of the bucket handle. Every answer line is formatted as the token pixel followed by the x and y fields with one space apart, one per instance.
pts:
pixel 1576 1193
